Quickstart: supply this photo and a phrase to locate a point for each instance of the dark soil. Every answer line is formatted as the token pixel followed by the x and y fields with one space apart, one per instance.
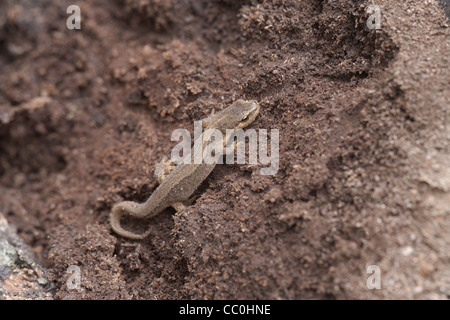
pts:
pixel 364 174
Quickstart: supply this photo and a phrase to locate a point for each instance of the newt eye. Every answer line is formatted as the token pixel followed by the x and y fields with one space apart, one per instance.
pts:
pixel 245 118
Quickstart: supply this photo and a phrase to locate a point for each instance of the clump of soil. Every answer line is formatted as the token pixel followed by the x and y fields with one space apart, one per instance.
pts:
pixel 364 176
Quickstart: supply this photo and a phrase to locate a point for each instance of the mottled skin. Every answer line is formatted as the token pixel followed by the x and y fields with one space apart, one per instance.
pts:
pixel 184 179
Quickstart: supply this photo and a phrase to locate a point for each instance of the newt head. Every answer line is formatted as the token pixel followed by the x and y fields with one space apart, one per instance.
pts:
pixel 237 116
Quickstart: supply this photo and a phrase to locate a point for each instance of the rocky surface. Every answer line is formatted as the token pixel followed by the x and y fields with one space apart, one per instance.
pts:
pixel 21 276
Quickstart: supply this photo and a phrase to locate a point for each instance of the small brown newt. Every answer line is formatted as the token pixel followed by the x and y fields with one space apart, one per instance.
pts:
pixel 181 182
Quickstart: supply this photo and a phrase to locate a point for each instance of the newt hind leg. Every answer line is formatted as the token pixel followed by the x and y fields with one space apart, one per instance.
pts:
pixel 178 206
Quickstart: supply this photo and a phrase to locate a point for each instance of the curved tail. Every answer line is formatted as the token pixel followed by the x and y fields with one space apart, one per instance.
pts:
pixel 114 218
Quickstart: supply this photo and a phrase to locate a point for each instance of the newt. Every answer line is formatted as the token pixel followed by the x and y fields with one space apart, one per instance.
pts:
pixel 178 183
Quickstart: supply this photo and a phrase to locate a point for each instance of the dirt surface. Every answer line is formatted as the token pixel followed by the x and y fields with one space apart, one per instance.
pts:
pixel 364 175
